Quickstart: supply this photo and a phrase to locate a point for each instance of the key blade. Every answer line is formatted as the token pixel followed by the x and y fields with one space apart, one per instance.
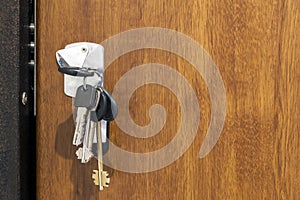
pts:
pixel 77 139
pixel 81 115
pixel 86 155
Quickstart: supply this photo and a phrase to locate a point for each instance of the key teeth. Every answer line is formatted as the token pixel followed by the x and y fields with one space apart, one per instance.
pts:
pixel 79 153
pixel 79 130
pixel 76 141
pixel 87 156
pixel 105 178
pixel 107 182
pixel 95 177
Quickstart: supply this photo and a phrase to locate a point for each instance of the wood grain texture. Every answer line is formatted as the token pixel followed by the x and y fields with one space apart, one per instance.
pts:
pixel 256 46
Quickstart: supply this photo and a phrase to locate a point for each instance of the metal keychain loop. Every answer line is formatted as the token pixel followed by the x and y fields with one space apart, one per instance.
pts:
pixel 84 83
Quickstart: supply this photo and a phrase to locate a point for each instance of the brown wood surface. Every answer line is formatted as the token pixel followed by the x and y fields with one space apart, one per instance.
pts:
pixel 256 46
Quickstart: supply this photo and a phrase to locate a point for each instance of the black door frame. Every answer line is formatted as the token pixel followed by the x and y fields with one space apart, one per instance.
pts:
pixel 17 120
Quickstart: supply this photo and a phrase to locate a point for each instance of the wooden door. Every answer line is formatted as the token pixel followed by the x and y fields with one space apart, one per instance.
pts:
pixel 255 46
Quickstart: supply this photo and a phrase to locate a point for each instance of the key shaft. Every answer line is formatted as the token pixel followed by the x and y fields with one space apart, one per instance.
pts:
pixel 101 178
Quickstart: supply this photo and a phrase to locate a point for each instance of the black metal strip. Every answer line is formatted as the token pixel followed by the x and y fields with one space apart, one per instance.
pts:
pixel 17 121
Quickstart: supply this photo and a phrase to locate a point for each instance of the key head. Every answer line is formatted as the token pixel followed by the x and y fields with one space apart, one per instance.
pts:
pixel 86 97
pixel 112 108
pixel 102 106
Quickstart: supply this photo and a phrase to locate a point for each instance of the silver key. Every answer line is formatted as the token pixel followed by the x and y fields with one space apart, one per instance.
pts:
pixel 85 99
pixel 80 125
pixel 85 153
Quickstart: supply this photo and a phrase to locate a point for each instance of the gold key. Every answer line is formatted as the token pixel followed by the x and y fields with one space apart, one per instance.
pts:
pixel 100 177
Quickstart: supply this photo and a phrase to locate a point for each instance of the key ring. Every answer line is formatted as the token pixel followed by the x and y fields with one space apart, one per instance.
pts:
pixel 82 72
pixel 98 74
pixel 84 83
pixel 76 71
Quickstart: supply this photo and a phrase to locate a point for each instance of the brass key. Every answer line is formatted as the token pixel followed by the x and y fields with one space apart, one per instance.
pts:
pixel 99 176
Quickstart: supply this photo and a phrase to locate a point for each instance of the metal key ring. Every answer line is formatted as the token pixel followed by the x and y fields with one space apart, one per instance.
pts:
pixel 76 71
